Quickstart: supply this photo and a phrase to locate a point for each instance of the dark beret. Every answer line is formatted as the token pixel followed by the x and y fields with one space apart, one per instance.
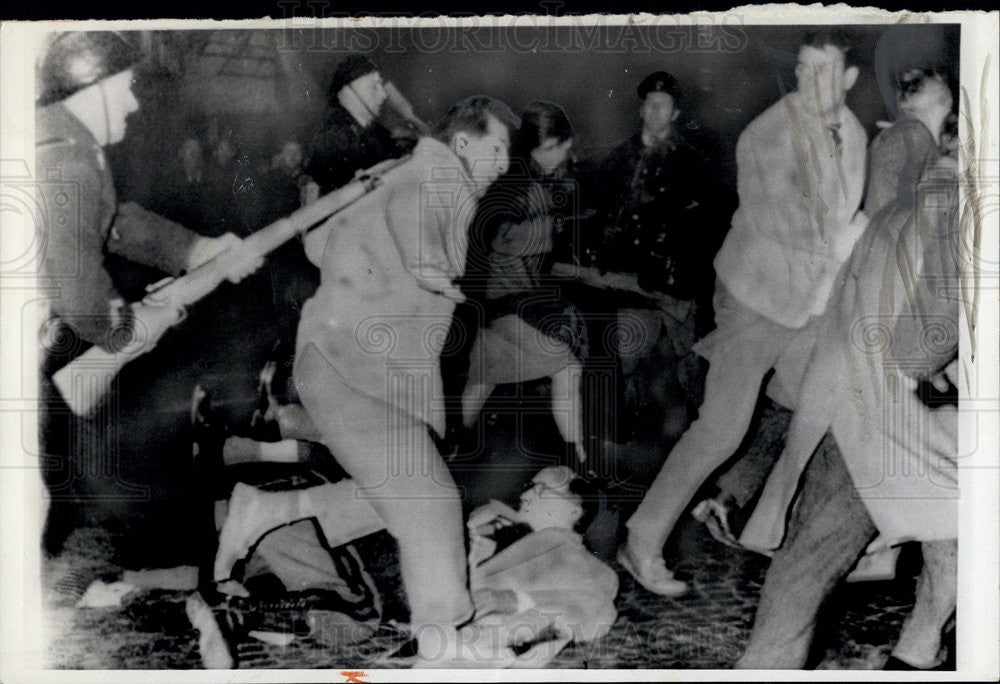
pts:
pixel 659 82
pixel 354 67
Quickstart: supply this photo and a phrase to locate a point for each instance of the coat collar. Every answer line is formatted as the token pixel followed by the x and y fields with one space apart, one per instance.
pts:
pixel 435 152
pixel 58 126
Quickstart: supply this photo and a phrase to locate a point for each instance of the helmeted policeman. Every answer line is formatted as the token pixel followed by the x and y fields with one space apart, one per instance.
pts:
pixel 84 101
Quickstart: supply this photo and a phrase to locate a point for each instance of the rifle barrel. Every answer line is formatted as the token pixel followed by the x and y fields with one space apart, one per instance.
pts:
pixel 201 281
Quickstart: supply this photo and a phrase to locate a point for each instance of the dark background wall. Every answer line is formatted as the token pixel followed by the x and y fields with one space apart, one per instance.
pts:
pixel 729 74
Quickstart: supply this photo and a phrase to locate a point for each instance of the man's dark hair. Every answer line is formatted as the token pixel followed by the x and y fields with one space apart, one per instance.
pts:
pixel 914 80
pixel 472 115
pixel 539 121
pixel 592 499
pixel 835 37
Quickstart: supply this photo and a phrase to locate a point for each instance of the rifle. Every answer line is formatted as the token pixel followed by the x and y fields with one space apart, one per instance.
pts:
pixel 403 107
pixel 85 380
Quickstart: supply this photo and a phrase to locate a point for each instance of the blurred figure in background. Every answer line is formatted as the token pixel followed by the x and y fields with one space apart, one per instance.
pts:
pixel 192 161
pixel 281 183
pixel 527 332
pixel 352 138
pixel 183 194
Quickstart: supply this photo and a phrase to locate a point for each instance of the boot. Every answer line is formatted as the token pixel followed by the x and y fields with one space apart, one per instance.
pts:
pixel 208 436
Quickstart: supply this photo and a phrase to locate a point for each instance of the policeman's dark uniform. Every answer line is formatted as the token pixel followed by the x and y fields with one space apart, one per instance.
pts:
pixel 666 214
pixel 661 208
pixel 76 171
pixel 344 146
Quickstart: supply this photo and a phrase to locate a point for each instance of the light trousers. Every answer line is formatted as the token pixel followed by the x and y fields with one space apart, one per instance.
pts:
pixel 745 346
pixel 398 470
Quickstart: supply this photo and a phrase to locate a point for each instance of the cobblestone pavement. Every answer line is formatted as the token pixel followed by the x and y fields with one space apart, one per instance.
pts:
pixel 708 628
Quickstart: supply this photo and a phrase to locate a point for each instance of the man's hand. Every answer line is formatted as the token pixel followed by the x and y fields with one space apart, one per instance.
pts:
pixel 494 601
pixel 453 293
pixel 235 259
pixel 308 193
pixel 491 511
pixel 484 521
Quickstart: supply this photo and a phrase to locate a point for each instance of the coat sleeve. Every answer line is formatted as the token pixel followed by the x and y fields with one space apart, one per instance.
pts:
pixel 532 236
pixel 74 257
pixel 563 580
pixel 423 240
pixel 588 610
pixel 765 179
pixel 925 335
pixel 149 239
pixel 897 159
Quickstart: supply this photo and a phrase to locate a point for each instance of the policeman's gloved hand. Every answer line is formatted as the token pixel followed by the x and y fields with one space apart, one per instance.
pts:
pixel 235 260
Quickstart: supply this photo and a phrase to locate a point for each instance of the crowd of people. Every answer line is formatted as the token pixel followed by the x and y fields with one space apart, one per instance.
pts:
pixel 453 273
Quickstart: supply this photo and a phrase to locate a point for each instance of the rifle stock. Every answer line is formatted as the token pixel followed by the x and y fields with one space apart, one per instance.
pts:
pixel 85 380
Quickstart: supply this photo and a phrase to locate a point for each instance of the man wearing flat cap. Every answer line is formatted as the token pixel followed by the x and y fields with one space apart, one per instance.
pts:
pixel 352 138
pixel 800 177
pixel 664 219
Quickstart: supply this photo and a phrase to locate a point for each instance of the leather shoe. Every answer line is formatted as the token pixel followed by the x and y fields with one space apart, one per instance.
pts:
pixel 652 573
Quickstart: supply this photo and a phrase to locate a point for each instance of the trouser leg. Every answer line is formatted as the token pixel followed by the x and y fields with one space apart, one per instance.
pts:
pixel 295 556
pixel 465 325
pixel 567 409
pixel 830 527
pixel 731 391
pixel 399 471
pixel 747 475
pixel 920 639
pixel 294 552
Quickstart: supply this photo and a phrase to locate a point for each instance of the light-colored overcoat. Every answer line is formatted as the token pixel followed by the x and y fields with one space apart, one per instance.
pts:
pixel 384 305
pixel 893 318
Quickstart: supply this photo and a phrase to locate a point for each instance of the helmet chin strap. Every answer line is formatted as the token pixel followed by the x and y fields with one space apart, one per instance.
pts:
pixel 107 116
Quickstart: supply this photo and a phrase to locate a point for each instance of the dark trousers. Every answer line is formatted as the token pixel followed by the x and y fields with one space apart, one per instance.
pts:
pixel 828 531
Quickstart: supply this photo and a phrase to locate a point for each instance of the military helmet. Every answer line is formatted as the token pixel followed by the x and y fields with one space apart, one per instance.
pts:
pixel 78 59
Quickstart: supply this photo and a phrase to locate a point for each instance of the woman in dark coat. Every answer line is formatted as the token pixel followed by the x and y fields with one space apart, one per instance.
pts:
pixel 529 331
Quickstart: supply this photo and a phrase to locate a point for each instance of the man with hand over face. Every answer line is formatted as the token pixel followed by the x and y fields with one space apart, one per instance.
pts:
pixel 800 177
